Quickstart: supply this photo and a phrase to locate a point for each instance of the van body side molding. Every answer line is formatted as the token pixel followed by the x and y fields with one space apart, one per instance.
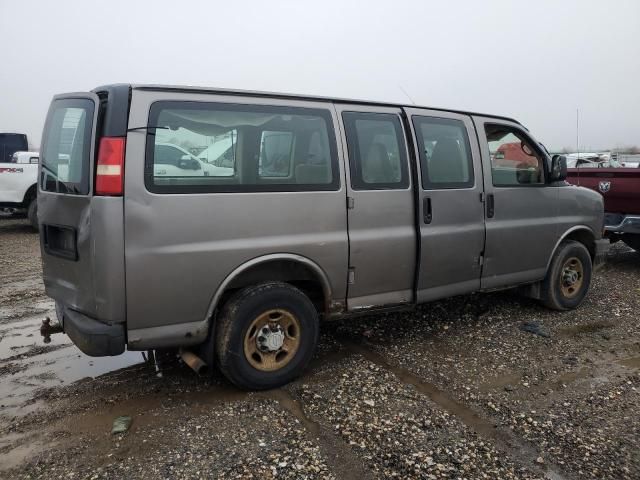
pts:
pixel 175 335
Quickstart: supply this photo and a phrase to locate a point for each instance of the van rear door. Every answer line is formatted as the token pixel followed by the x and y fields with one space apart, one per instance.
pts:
pixel 64 202
pixel 79 251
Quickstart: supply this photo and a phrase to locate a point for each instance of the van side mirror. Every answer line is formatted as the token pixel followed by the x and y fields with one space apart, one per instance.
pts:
pixel 558 168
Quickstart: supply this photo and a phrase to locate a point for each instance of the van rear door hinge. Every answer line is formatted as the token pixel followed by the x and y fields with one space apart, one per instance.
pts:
pixel 482 197
pixel 350 203
pixel 481 260
pixel 351 276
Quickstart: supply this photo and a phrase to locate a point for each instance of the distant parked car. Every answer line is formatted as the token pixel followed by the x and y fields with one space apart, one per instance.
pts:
pixel 585 163
pixel 220 153
pixel 25 157
pixel 18 178
pixel 620 188
pixel 175 161
pixel 11 143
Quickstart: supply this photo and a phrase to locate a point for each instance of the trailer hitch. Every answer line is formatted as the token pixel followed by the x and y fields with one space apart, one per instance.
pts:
pixel 46 329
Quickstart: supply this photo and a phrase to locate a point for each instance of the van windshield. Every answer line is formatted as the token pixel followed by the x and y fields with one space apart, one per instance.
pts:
pixel 67 146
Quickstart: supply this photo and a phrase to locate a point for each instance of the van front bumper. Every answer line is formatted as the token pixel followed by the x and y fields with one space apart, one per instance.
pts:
pixel 93 337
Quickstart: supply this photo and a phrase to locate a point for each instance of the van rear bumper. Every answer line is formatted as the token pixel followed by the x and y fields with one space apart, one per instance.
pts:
pixel 93 337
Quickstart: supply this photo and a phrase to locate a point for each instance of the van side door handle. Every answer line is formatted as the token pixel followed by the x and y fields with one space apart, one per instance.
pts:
pixel 490 206
pixel 426 210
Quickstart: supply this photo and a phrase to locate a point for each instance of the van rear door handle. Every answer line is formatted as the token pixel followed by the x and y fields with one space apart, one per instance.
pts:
pixel 426 210
pixel 490 206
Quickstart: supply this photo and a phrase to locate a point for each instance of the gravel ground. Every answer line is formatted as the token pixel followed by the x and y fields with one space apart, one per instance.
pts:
pixel 453 389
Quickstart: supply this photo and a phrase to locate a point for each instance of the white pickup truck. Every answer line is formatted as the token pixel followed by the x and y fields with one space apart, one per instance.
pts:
pixel 18 180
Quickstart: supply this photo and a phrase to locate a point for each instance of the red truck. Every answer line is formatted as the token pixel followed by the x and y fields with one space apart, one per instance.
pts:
pixel 620 188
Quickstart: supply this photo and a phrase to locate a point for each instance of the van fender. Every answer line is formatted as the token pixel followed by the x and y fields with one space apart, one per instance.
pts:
pixel 320 273
pixel 571 230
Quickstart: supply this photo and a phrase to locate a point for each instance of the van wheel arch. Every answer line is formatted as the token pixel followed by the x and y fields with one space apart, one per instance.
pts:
pixel 296 270
pixel 582 235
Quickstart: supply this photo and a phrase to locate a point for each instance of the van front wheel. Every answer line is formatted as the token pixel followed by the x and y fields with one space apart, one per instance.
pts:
pixel 569 277
pixel 266 335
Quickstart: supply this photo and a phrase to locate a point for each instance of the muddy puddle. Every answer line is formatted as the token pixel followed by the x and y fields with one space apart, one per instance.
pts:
pixel 28 364
pixel 586 328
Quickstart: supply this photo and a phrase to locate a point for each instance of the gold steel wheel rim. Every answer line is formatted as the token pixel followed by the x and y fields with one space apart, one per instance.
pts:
pixel 571 277
pixel 272 349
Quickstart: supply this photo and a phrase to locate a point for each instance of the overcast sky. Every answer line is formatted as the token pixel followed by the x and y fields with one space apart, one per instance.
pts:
pixel 537 61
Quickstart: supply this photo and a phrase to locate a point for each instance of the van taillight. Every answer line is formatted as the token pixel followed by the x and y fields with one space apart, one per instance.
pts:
pixel 110 167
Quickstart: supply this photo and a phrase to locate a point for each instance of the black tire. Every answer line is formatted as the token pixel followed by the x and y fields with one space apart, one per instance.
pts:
pixel 241 312
pixel 32 214
pixel 555 291
pixel 632 240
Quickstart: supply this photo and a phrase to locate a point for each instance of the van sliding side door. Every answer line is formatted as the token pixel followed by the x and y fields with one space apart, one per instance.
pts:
pixel 380 207
pixel 450 203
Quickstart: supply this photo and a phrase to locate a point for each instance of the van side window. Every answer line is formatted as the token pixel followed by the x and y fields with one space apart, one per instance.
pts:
pixel 377 153
pixel 215 147
pixel 514 160
pixel 445 153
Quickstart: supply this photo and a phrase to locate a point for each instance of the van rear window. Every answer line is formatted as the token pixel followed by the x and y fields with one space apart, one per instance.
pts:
pixel 197 147
pixel 67 146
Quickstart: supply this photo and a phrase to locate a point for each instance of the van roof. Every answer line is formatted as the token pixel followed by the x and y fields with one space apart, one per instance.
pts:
pixel 280 95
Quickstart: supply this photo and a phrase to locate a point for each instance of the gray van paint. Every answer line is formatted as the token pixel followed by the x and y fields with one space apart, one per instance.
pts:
pixel 171 258
pixel 568 234
pixel 380 222
pixel 521 236
pixel 321 275
pixel 453 242
pixel 162 263
pixel 94 283
pixel 193 333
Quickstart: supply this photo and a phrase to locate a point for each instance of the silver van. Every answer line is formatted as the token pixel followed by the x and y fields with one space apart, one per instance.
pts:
pixel 229 224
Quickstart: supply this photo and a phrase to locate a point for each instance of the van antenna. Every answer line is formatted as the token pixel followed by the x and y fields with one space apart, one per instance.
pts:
pixel 405 92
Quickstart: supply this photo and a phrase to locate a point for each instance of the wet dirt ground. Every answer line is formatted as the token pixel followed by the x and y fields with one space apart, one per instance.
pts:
pixel 453 389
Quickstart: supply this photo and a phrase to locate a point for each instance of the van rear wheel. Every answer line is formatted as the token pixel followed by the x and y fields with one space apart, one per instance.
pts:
pixel 569 277
pixel 266 335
